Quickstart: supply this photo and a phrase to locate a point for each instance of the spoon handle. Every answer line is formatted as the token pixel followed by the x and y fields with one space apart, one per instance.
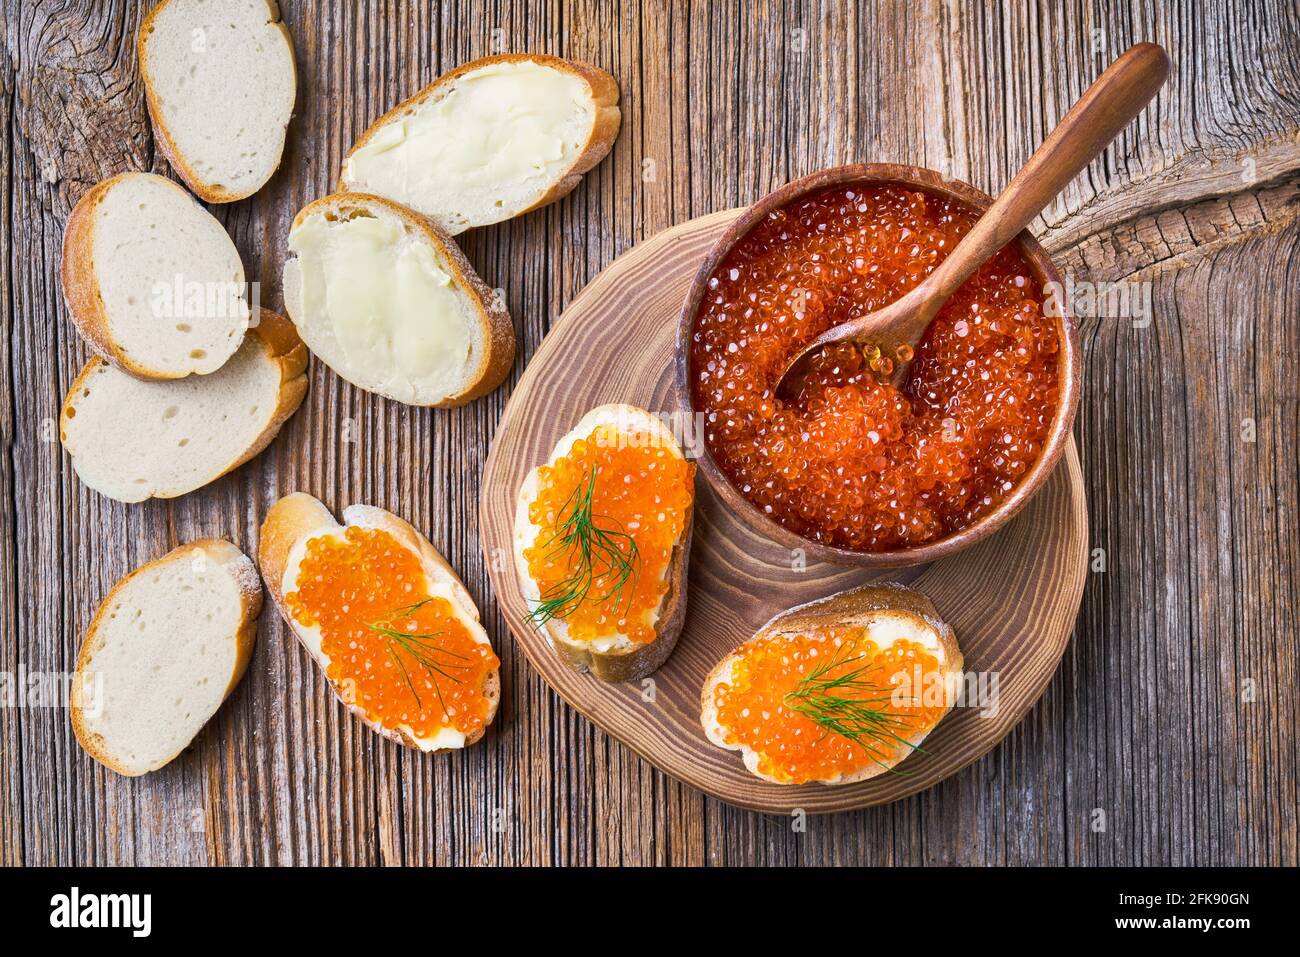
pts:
pixel 1107 106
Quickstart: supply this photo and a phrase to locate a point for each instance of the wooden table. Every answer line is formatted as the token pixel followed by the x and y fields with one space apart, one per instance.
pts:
pixel 1169 734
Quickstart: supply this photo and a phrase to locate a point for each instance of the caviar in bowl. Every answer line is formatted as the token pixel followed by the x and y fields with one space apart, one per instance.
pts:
pixel 851 469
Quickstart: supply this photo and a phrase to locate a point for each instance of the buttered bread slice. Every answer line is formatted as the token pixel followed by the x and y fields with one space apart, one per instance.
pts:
pixel 491 140
pixel 392 305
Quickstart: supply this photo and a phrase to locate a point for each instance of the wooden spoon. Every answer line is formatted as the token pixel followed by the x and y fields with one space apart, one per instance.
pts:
pixel 1104 109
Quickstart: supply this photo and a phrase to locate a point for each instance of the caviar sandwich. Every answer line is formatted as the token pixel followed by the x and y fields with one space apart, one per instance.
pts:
pixel 384 615
pixel 602 538
pixel 835 691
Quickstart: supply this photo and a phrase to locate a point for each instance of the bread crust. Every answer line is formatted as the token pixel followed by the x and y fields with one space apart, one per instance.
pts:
pixel 162 135
pixel 241 569
pixel 628 664
pixel 289 519
pixel 497 328
pixel 854 606
pixel 278 337
pixel 299 515
pixel 604 130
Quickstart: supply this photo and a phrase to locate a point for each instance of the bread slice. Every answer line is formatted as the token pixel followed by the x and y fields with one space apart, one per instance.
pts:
pixel 131 440
pixel 614 657
pixel 298 518
pixel 220 82
pixel 392 305
pixel 152 281
pixel 493 139
pixel 168 644
pixel 888 610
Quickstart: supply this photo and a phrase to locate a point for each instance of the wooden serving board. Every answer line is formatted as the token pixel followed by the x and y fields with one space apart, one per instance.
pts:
pixel 1012 598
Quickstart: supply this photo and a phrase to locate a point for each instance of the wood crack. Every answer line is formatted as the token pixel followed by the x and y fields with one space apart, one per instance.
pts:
pixel 1177 218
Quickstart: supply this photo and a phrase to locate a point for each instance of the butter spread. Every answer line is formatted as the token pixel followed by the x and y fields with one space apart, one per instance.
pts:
pixel 391 308
pixel 498 126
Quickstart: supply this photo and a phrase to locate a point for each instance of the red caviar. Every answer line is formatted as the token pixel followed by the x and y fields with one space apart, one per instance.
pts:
pixel 761 707
pixel 395 651
pixel 641 493
pixel 850 461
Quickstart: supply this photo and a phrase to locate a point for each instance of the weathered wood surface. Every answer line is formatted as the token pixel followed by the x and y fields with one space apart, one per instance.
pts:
pixel 1169 734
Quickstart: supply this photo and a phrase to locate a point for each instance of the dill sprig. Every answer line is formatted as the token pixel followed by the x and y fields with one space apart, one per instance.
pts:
pixel 420 647
pixel 849 705
pixel 603 559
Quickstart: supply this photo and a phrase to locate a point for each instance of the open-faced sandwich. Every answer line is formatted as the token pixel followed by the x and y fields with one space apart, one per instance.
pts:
pixel 384 615
pixel 602 537
pixel 837 690
pixel 490 140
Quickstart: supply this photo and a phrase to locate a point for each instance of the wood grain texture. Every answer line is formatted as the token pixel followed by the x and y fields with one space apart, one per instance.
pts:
pixel 1012 599
pixel 1169 735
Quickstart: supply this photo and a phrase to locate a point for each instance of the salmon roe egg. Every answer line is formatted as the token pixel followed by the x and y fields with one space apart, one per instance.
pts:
pixel 850 461
pixel 395 651
pixel 778 682
pixel 641 491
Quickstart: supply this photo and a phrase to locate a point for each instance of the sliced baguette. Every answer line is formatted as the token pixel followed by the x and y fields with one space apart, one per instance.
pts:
pixel 152 280
pixel 131 440
pixel 384 299
pixel 614 657
pixel 486 142
pixel 220 82
pixel 166 647
pixel 905 612
pixel 298 518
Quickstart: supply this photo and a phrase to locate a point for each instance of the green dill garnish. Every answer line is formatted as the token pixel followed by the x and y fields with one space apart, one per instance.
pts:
pixel 420 647
pixel 850 706
pixel 603 559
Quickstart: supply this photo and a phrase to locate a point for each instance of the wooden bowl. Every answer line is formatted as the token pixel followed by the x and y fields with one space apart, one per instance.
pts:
pixel 1068 369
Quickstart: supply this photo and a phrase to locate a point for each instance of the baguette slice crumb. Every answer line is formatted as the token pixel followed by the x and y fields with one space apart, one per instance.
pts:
pixel 890 605
pixel 166 647
pixel 131 440
pixel 220 83
pixel 489 141
pixel 296 519
pixel 615 658
pixel 152 280
pixel 391 304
